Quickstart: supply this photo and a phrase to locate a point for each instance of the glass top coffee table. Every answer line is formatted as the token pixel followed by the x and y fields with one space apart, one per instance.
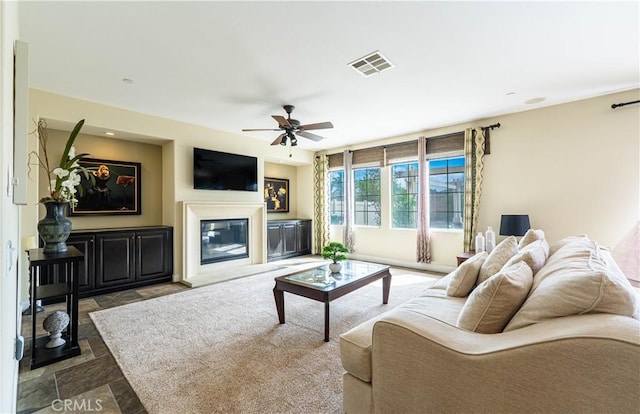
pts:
pixel 322 285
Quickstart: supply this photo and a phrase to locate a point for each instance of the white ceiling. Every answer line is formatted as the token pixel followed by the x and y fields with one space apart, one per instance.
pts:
pixel 230 65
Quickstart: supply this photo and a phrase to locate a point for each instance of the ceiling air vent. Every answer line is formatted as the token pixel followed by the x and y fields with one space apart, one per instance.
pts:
pixel 371 64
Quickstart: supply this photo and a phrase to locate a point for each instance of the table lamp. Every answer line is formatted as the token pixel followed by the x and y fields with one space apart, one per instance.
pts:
pixel 514 224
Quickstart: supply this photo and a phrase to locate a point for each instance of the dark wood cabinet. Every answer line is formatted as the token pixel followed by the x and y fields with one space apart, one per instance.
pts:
pixel 115 259
pixel 118 259
pixel 288 238
pixel 303 234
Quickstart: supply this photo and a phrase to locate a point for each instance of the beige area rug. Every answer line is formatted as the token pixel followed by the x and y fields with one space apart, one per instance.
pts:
pixel 220 348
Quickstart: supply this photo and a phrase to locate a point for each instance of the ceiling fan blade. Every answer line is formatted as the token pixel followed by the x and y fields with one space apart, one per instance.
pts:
pixel 279 139
pixel 282 121
pixel 309 135
pixel 319 125
pixel 266 129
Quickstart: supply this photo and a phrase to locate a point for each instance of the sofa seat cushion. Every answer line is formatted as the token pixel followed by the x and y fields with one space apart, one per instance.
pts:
pixel 492 304
pixel 355 344
pixel 579 278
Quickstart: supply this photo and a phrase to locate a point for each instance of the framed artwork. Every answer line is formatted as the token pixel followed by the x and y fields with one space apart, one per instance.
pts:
pixel 114 188
pixel 276 195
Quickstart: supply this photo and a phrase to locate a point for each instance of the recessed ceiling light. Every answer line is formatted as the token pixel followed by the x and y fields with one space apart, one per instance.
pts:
pixel 109 133
pixel 127 81
pixel 534 101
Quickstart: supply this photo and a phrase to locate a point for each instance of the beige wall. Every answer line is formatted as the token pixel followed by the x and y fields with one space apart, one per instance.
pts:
pixel 290 173
pixel 151 174
pixel 176 139
pixel 574 168
pixel 9 217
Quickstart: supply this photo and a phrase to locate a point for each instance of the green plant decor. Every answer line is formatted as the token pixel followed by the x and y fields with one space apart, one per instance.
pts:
pixel 64 178
pixel 335 251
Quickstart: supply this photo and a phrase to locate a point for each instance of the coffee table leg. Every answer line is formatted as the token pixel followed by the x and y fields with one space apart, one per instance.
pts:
pixel 279 297
pixel 386 285
pixel 326 321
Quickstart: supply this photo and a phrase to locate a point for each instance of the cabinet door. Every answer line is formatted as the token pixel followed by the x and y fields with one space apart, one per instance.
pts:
pixel 274 241
pixel 154 254
pixel 85 243
pixel 304 237
pixel 115 259
pixel 290 238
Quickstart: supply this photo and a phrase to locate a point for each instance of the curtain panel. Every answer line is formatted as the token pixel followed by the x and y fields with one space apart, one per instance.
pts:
pixel 320 203
pixel 474 147
pixel 348 200
pixel 423 249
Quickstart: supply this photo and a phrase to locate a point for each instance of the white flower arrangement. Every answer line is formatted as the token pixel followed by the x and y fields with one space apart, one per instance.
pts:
pixel 64 180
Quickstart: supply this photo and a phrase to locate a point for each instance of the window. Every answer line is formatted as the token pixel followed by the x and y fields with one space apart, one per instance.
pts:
pixel 446 193
pixel 336 196
pixel 404 195
pixel 366 189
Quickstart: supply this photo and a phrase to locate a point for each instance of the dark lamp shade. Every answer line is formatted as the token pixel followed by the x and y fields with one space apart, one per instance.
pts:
pixel 514 224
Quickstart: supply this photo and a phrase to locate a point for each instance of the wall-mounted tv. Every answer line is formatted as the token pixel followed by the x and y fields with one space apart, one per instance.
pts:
pixel 214 170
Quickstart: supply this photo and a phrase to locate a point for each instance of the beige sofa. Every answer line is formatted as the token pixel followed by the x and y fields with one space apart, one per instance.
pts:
pixel 530 328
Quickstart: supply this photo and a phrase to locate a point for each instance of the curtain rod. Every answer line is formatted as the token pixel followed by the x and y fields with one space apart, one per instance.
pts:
pixel 492 126
pixel 614 106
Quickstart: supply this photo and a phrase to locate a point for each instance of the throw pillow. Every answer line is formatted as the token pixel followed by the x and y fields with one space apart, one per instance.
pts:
pixel 580 286
pixel 533 254
pixel 530 236
pixel 463 279
pixel 492 304
pixel 498 257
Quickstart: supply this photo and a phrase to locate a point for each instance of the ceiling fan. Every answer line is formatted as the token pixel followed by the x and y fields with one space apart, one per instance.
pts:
pixel 292 127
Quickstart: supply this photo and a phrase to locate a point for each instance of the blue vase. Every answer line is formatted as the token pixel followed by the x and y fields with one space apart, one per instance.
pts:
pixel 55 227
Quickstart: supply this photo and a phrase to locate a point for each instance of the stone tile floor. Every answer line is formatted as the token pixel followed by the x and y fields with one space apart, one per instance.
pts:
pixel 91 381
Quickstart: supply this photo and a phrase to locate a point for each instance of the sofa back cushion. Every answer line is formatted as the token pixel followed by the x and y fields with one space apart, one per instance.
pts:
pixel 492 304
pixel 496 260
pixel 566 241
pixel 463 279
pixel 580 277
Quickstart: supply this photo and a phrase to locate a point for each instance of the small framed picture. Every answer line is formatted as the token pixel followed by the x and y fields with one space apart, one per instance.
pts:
pixel 114 190
pixel 276 195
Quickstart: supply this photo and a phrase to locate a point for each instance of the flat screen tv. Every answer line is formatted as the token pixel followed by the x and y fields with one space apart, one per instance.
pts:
pixel 214 170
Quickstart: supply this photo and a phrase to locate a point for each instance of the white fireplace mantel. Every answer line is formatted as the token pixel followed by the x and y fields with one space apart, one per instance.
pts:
pixel 195 211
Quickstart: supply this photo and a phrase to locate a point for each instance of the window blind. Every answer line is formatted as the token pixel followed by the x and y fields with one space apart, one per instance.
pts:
pixel 374 155
pixel 335 160
pixel 443 144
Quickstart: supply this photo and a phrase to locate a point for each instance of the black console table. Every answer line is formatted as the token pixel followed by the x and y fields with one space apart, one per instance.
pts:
pixel 67 265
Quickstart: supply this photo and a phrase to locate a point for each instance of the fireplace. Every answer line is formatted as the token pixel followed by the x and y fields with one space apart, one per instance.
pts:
pixel 223 240
pixel 253 215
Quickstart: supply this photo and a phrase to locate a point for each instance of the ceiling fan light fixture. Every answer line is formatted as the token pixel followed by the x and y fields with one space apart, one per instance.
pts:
pixel 290 127
pixel 371 64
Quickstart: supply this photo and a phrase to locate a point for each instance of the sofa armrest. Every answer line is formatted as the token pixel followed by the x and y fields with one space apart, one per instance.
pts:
pixel 586 363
